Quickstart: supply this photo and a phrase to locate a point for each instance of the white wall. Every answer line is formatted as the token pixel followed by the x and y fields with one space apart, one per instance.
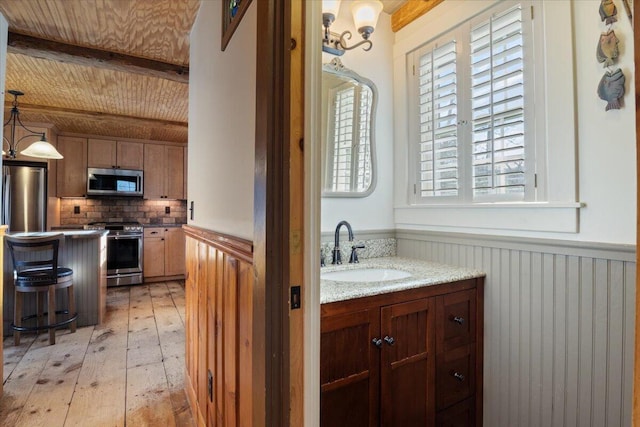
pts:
pixel 222 123
pixel 375 211
pixel 605 141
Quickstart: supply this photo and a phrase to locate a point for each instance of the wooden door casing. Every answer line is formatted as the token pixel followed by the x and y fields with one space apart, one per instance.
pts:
pixel 407 365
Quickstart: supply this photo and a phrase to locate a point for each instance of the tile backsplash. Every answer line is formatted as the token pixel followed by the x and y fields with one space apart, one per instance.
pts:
pixel 122 209
pixel 373 248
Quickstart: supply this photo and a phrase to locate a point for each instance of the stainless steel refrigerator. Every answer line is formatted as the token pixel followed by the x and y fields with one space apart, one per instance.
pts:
pixel 24 195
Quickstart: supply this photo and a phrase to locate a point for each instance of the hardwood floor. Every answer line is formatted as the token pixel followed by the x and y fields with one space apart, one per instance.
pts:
pixel 129 371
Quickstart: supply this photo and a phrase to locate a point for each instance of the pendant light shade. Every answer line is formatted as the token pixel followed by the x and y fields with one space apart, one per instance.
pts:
pixel 42 149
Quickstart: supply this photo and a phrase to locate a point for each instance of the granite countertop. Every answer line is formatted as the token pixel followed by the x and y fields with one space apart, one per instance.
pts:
pixel 72 234
pixel 162 225
pixel 423 273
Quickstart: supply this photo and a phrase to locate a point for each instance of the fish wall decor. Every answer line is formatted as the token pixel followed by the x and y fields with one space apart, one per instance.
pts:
pixel 607 50
pixel 608 11
pixel 611 89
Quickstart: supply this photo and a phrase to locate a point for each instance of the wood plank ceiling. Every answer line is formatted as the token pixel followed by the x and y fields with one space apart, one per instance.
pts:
pixel 117 68
pixel 86 91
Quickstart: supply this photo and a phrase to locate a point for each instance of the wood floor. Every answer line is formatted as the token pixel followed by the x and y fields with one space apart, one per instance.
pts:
pixel 129 371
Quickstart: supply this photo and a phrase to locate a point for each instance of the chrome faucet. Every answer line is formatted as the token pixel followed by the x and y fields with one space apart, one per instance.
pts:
pixel 337 257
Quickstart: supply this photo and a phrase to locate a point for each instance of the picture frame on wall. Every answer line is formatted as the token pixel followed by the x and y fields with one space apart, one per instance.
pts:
pixel 232 13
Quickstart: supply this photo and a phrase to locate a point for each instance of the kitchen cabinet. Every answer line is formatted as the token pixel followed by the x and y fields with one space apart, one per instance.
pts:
pixel 72 169
pixel 406 358
pixel 164 170
pixel 104 153
pixel 164 252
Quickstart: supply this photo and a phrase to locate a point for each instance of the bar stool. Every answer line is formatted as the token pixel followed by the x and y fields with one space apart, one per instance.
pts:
pixel 35 269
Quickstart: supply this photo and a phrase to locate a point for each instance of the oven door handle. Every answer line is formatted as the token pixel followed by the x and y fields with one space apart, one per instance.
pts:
pixel 126 236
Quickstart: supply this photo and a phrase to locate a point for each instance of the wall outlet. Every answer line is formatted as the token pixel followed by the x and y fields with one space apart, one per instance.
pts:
pixel 76 209
pixel 167 209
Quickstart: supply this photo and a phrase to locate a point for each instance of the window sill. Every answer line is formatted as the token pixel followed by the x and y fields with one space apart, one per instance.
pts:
pixel 561 217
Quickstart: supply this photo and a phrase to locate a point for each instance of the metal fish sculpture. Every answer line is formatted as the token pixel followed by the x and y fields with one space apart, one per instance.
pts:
pixel 607 50
pixel 608 11
pixel 611 89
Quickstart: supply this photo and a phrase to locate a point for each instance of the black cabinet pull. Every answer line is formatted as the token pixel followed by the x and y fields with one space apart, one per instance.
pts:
pixel 389 340
pixel 458 320
pixel 377 342
pixel 458 376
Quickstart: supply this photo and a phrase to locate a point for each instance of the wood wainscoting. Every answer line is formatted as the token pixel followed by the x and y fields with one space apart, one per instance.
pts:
pixel 219 327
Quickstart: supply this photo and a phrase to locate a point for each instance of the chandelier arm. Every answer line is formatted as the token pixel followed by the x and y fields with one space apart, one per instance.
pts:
pixel 26 128
pixel 41 134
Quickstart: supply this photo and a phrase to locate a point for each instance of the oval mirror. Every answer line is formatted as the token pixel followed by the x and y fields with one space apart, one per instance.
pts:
pixel 348 135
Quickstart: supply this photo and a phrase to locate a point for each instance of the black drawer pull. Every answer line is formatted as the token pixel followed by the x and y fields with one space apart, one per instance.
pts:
pixel 458 376
pixel 377 342
pixel 389 340
pixel 459 320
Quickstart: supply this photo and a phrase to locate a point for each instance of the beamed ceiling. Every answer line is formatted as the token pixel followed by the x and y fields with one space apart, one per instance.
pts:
pixel 117 68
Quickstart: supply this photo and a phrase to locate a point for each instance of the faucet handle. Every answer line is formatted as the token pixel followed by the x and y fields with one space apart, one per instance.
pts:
pixel 353 259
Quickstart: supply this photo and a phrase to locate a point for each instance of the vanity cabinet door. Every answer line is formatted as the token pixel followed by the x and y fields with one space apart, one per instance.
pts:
pixel 349 369
pixel 408 363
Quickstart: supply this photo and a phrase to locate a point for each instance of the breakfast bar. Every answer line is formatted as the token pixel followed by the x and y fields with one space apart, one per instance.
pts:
pixel 84 251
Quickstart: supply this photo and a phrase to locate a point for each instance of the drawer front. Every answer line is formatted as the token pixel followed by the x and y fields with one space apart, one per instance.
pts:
pixel 154 232
pixel 461 414
pixel 456 320
pixel 455 376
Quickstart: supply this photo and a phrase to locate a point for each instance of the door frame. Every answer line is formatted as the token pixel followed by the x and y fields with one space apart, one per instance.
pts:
pixel 636 370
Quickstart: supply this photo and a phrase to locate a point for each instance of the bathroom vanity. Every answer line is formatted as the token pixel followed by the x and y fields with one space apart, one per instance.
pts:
pixel 401 351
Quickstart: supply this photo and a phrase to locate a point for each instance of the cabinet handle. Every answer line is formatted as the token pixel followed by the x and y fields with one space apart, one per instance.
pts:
pixel 458 376
pixel 458 320
pixel 377 342
pixel 389 340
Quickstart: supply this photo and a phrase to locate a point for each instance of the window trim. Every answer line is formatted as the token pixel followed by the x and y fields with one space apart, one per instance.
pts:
pixel 557 170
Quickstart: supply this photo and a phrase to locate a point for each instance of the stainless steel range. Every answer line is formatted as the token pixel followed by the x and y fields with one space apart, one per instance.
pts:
pixel 124 251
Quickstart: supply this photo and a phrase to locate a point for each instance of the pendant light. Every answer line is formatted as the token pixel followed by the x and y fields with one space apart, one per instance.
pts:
pixel 41 148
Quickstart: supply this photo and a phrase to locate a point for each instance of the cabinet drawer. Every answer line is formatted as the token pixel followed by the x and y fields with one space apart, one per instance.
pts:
pixel 455 376
pixel 462 414
pixel 456 320
pixel 154 232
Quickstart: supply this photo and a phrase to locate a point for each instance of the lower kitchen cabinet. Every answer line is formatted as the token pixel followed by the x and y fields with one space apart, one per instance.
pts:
pixel 408 358
pixel 164 253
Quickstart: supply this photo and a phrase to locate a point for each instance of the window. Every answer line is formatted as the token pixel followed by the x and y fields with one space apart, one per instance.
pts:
pixel 471 123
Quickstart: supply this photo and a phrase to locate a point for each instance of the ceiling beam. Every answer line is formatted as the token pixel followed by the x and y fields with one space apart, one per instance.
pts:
pixel 410 11
pixel 90 57
pixel 100 117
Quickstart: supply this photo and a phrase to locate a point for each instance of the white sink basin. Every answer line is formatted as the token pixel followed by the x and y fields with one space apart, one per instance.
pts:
pixel 365 275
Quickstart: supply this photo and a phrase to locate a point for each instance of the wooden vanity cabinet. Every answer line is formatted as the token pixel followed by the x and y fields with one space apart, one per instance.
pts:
pixel 406 358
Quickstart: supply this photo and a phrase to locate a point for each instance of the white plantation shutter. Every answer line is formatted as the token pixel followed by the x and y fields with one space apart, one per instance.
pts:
pixel 351 161
pixel 472 133
pixel 343 110
pixel 497 106
pixel 438 116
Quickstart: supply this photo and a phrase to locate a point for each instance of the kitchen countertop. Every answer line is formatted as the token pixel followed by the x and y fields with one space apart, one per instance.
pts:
pixel 72 234
pixel 423 273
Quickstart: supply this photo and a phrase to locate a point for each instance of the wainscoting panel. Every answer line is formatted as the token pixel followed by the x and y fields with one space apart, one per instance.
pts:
pixel 559 319
pixel 219 327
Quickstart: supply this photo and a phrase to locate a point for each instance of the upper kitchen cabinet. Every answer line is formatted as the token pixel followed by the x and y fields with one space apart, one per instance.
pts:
pixel 104 153
pixel 72 169
pixel 164 171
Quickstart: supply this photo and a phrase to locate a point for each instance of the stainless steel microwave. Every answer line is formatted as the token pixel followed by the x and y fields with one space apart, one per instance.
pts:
pixel 114 182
